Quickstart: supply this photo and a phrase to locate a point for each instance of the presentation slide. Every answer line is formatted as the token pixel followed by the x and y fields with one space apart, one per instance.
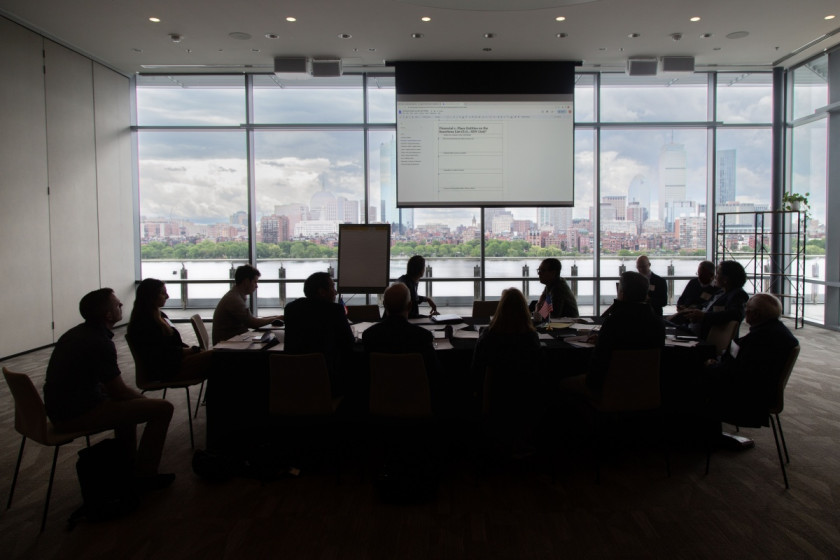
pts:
pixel 485 150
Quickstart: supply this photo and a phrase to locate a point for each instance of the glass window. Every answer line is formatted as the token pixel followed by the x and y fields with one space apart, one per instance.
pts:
pixel 810 87
pixel 743 166
pixel 584 98
pixel 190 100
pixel 653 99
pixel 307 183
pixel 310 101
pixel 193 210
pixel 745 97
pixel 381 94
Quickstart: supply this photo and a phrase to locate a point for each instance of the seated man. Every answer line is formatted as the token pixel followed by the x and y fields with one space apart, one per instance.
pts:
pixel 85 391
pixel 743 381
pixel 699 290
pixel 630 325
pixel 395 335
pixel 557 300
pixel 726 305
pixel 657 288
pixel 232 316
pixel 316 324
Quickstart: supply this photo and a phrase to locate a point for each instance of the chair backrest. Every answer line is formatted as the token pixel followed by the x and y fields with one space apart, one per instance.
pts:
pixel 399 386
pixel 141 374
pixel 299 385
pixel 777 402
pixel 632 381
pixel 30 413
pixel 722 335
pixel 200 332
pixel 482 308
pixel 367 313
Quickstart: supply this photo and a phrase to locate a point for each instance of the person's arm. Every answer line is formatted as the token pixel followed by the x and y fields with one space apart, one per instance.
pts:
pixel 431 303
pixel 256 322
pixel 117 390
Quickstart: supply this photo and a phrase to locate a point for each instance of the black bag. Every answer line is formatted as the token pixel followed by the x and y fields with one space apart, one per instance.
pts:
pixel 106 477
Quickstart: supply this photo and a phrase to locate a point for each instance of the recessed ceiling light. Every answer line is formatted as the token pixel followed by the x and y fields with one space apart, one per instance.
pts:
pixel 239 35
pixel 830 17
pixel 255 50
pixel 633 35
pixel 716 49
pixel 154 20
pixel 738 35
pixel 291 19
pixel 416 35
pixel 694 18
pixel 272 36
pixel 562 35
pixel 560 18
pixel 705 35
pixel 602 48
pixel 137 50
pixel 425 18
pixel 344 36
pixel 489 35
pixel 487 49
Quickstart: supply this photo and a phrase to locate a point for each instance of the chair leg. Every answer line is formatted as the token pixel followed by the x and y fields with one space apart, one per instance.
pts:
pixel 17 469
pixel 189 417
pixel 782 435
pixel 779 452
pixel 198 401
pixel 164 394
pixel 49 489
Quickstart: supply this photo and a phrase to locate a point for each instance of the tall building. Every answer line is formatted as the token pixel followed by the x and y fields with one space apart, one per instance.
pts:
pixel 619 203
pixel 639 191
pixel 239 218
pixel 559 219
pixel 725 175
pixel 323 206
pixel 671 177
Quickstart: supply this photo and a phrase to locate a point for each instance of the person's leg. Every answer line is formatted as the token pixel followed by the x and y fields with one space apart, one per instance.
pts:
pixel 196 366
pixel 123 416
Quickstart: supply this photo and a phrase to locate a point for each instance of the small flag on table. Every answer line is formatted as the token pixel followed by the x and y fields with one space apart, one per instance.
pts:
pixel 546 308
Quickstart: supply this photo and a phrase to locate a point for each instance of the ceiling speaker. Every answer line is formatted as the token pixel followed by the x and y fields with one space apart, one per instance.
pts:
pixel 676 64
pixel 642 66
pixel 291 65
pixel 326 67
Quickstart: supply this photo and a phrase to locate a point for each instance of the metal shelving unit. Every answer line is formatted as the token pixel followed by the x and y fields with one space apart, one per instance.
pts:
pixel 746 237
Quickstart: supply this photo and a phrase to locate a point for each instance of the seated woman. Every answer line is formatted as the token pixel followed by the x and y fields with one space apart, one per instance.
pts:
pixel 509 352
pixel 727 305
pixel 157 342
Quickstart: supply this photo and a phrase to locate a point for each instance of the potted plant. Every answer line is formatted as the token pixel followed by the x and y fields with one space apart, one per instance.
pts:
pixel 795 201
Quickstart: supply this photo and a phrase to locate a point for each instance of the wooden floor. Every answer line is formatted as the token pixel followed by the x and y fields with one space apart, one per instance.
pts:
pixel 740 510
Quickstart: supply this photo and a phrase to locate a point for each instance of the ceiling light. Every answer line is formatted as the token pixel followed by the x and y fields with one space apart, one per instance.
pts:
pixel 633 35
pixel 425 18
pixel 239 35
pixel 738 35
pixel 562 35
pixel 344 36
pixel 489 35
pixel 487 49
pixel 255 50
pixel 695 18
pixel 705 35
pixel 829 17
pixel 291 19
pixel 154 20
pixel 272 36
pixel 416 35
pixel 560 18
pixel 137 50
pixel 175 37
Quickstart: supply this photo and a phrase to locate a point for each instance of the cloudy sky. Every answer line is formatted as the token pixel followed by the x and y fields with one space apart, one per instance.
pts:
pixel 202 175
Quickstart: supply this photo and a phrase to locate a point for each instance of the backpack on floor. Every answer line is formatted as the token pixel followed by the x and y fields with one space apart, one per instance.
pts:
pixel 106 477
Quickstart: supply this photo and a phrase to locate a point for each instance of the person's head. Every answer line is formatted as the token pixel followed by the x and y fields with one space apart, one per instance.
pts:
pixel 549 270
pixel 397 299
pixel 101 306
pixel 319 285
pixel 643 265
pixel 416 267
pixel 706 272
pixel 149 297
pixel 633 287
pixel 730 275
pixel 762 308
pixel 246 277
pixel 512 314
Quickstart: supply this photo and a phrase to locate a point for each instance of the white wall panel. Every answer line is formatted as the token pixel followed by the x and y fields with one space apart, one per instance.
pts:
pixel 25 299
pixel 114 194
pixel 74 229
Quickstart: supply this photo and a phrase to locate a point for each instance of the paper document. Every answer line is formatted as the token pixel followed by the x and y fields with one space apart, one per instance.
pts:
pixel 585 327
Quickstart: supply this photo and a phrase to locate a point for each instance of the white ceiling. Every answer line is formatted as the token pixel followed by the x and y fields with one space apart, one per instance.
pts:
pixel 119 34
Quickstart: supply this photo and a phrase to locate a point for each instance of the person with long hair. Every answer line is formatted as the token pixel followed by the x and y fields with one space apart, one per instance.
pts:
pixel 728 305
pixel 157 342
pixel 509 360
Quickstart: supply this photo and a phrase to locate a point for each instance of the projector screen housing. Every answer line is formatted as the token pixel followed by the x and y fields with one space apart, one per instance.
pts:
pixel 485 134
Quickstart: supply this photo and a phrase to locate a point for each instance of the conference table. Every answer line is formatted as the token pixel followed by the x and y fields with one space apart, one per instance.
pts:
pixel 238 383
